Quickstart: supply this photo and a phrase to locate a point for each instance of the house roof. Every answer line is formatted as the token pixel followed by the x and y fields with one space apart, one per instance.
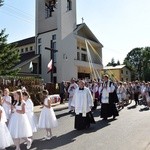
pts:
pixel 26 58
pixel 84 31
pixel 114 67
pixel 26 41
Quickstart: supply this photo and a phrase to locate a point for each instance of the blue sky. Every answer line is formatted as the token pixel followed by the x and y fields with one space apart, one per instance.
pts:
pixel 120 25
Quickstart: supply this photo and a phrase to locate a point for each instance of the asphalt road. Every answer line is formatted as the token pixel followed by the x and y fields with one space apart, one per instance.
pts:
pixel 130 131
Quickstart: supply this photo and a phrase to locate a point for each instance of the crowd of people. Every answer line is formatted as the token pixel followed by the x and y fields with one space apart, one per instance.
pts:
pixel 18 122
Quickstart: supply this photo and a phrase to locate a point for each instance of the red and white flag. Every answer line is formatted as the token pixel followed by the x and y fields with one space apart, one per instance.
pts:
pixel 49 66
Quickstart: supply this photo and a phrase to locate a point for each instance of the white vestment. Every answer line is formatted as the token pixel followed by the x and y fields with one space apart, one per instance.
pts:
pixel 82 101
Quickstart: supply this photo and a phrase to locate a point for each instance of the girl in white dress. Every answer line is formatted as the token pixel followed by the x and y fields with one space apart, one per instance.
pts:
pixel 5 137
pixel 29 110
pixel 19 125
pixel 47 119
pixel 7 103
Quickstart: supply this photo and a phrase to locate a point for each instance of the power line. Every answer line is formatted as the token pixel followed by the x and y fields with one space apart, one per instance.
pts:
pixel 18 11
pixel 16 17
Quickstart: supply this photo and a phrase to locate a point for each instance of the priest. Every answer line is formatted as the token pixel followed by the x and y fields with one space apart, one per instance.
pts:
pixel 108 99
pixel 82 103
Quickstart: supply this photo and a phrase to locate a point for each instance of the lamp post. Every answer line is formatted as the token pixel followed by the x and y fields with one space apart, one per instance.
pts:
pixel 52 50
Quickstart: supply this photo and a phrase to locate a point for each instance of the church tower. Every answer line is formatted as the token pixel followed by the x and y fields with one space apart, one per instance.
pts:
pixel 55 23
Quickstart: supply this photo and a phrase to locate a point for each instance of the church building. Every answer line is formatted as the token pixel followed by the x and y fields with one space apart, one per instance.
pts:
pixel 73 48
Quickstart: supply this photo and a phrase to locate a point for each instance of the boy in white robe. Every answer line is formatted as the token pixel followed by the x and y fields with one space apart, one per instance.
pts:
pixel 82 102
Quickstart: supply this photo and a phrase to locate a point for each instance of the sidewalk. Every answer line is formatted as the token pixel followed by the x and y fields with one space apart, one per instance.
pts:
pixel 56 106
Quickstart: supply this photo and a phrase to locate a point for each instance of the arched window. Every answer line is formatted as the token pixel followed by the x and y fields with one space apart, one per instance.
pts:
pixel 69 5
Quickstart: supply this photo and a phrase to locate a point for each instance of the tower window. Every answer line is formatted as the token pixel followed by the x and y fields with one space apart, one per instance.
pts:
pixel 39 40
pixel 49 7
pixel 39 49
pixel 69 5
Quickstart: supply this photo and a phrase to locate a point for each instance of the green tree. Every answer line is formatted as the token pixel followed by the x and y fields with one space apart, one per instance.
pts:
pixel 138 61
pixel 118 62
pixel 146 64
pixel 9 56
pixel 112 63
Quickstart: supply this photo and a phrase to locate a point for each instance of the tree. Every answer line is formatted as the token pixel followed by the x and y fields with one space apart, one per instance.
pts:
pixel 9 56
pixel 146 64
pixel 138 60
pixel 118 62
pixel 112 63
pixel 1 2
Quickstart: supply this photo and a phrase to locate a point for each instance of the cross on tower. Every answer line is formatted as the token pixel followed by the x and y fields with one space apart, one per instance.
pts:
pixel 82 20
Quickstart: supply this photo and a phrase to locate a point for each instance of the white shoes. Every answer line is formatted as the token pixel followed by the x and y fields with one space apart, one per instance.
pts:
pixel 29 143
pixel 48 137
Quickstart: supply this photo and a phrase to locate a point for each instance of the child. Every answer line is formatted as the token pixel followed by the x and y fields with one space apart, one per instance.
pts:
pixel 5 137
pixel 29 110
pixel 7 103
pixel 47 119
pixel 19 125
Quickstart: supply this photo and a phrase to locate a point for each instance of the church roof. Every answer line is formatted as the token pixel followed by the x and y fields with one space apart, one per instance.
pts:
pixel 84 31
pixel 26 41
pixel 26 58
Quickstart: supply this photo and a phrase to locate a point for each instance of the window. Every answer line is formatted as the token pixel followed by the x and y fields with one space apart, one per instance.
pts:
pixel 39 40
pixel 77 47
pixel 22 50
pixel 39 49
pixel 83 57
pixel 126 72
pixel 55 69
pixel 122 71
pixel 69 5
pixel 54 37
pixel 55 79
pixel 78 56
pixel 31 48
pixel 26 49
pixel 53 45
pixel 34 68
pixel 54 59
pixel 83 49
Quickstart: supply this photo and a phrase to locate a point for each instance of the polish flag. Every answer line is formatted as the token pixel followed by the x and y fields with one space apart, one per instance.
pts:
pixel 49 66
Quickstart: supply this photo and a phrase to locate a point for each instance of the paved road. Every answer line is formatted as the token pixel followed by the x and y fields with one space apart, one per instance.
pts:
pixel 130 131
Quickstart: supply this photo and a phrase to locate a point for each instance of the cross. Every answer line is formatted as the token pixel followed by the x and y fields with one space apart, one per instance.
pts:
pixel 82 20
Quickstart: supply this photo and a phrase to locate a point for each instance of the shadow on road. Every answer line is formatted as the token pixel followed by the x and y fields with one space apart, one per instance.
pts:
pixel 131 107
pixel 56 141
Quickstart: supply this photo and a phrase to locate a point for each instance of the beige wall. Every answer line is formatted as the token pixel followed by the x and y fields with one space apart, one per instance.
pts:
pixel 118 75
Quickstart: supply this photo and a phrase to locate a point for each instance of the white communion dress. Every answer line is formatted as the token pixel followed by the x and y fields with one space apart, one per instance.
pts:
pixel 6 106
pixel 30 114
pixel 47 117
pixel 5 137
pixel 19 125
